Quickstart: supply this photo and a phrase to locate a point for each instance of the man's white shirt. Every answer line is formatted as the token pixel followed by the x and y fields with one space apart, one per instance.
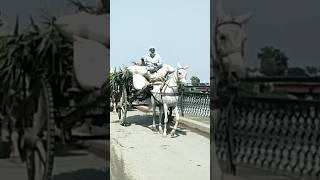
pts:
pixel 155 59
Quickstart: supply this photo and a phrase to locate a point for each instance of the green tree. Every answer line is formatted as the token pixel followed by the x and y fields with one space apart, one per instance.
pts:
pixel 297 71
pixel 103 7
pixel 273 62
pixel 312 70
pixel 195 81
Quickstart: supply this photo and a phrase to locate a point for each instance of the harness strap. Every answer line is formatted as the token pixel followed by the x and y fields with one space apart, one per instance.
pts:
pixel 215 103
pixel 163 84
pixel 167 94
pixel 157 102
pixel 229 134
pixel 229 52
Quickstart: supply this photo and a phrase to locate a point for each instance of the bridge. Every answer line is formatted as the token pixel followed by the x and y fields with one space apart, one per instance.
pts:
pixel 274 133
pixel 137 152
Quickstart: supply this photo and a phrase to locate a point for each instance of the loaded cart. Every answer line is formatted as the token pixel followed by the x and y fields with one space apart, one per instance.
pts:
pixel 52 84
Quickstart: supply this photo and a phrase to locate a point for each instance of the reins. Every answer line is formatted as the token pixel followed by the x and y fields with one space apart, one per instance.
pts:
pixel 226 92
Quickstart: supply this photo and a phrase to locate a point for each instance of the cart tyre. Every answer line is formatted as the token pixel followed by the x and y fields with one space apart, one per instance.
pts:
pixel 37 167
pixel 124 107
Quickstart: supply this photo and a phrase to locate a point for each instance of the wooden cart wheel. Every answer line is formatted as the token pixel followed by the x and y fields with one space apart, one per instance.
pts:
pixel 124 108
pixel 39 136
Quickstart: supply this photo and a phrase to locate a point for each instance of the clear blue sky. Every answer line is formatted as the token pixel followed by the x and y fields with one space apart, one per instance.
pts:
pixel 290 25
pixel 179 29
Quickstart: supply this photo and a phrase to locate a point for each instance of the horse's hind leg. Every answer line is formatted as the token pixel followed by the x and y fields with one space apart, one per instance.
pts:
pixel 173 131
pixel 15 154
pixel 115 105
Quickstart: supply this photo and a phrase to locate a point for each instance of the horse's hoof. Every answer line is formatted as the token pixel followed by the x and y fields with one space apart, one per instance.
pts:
pixel 153 128
pixel 172 133
pixel 15 159
pixel 160 131
pixel 124 124
pixel 164 134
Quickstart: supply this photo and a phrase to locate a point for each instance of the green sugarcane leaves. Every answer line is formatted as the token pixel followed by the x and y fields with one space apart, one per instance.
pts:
pixel 43 50
pixel 121 78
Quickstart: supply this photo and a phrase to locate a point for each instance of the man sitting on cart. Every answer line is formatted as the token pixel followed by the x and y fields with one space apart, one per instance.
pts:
pixel 152 60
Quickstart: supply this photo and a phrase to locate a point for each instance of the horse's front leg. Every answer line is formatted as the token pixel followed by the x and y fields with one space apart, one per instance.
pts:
pixel 115 105
pixel 165 111
pixel 153 127
pixel 160 119
pixel 173 131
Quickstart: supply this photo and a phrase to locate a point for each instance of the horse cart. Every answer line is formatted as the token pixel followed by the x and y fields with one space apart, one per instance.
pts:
pixel 162 90
pixel 47 109
pixel 50 91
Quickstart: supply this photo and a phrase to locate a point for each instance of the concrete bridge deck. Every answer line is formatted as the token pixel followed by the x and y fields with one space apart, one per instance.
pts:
pixel 147 155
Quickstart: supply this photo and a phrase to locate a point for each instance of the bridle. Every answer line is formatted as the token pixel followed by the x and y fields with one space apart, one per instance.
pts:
pixel 177 80
pixel 220 54
pixel 165 85
pixel 228 88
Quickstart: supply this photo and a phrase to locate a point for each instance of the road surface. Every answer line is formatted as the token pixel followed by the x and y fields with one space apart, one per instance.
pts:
pixel 139 153
pixel 71 163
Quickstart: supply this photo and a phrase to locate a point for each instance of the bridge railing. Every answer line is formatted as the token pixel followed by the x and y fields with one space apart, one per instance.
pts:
pixel 194 104
pixel 281 135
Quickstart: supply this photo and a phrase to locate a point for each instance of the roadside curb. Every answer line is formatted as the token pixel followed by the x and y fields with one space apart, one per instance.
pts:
pixel 99 148
pixel 205 128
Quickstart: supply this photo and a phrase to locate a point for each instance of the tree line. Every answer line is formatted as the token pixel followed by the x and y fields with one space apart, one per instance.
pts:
pixel 274 62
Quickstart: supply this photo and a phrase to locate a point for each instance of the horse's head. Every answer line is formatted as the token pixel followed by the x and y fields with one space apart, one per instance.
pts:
pixel 229 41
pixel 181 74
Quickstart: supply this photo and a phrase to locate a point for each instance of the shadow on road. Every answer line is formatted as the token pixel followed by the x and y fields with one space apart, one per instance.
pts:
pixel 146 121
pixel 83 174
pixel 70 150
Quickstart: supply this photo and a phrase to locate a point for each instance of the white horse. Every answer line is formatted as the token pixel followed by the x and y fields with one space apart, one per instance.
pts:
pixel 165 95
pixel 227 62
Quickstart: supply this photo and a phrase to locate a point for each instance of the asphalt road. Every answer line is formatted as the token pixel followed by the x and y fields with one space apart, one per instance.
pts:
pixel 71 163
pixel 146 155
